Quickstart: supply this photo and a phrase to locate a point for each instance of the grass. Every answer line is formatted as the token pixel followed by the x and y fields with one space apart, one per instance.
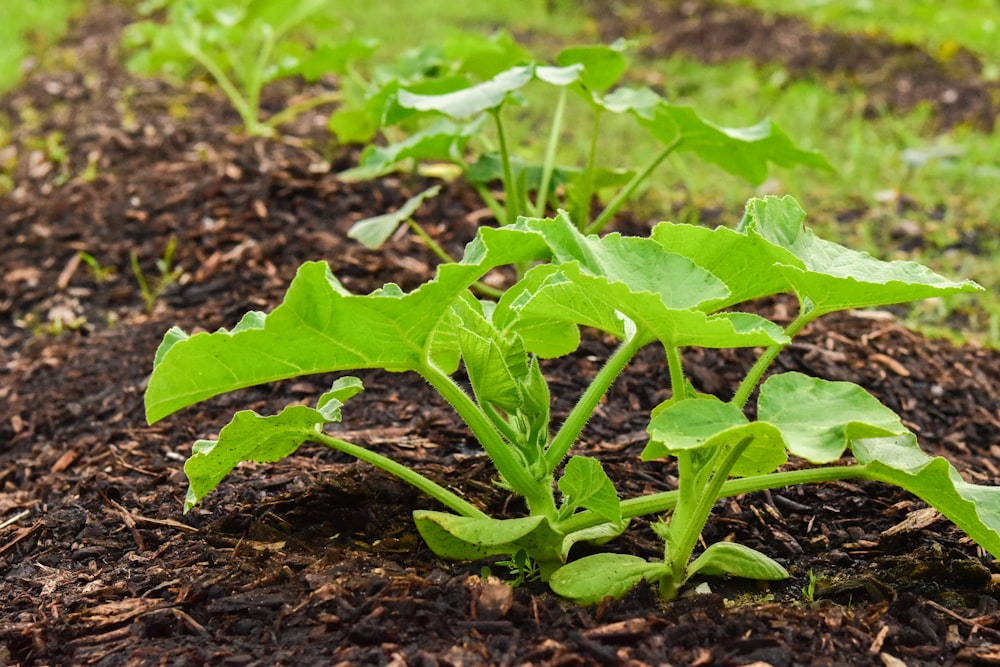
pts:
pixel 941 27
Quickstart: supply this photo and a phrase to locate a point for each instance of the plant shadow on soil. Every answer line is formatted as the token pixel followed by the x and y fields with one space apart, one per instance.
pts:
pixel 315 559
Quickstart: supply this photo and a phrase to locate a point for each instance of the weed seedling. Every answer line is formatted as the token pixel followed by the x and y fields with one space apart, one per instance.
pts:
pixel 152 290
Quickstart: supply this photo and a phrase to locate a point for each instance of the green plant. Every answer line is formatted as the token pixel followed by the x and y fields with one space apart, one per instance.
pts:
pixel 243 45
pixel 464 108
pixel 677 287
pixel 169 274
pixel 809 590
pixel 103 273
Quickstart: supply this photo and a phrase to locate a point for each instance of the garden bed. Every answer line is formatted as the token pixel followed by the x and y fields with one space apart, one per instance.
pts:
pixel 317 561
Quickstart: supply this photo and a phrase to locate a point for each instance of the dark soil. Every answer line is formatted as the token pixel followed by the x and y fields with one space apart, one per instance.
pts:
pixel 314 560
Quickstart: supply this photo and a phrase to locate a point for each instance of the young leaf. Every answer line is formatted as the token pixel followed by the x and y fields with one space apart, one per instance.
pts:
pixel 708 424
pixel 496 364
pixel 738 560
pixel 831 276
pixel 373 232
pixel 593 578
pixel 585 484
pixel 251 437
pixel 899 460
pixel 819 419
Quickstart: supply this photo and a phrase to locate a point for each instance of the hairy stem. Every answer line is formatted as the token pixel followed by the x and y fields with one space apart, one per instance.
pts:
pixel 537 492
pixel 443 255
pixel 411 477
pixel 757 371
pixel 550 155
pixel 512 197
pixel 290 112
pixel 656 503
pixel 619 200
pixel 584 408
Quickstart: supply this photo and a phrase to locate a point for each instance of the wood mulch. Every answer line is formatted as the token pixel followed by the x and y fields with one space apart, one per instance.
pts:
pixel 314 560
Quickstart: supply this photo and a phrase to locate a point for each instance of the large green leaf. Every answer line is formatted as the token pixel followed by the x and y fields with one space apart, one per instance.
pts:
pixel 321 327
pixel 819 419
pixel 602 65
pixel 732 257
pixel 831 276
pixel 899 460
pixel 596 280
pixel 743 151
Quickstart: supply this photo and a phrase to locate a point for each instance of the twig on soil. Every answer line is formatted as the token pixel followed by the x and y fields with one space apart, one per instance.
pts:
pixel 14 519
pixel 976 627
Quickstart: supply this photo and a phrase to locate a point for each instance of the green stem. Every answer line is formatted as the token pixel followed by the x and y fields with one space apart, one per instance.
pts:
pixel 619 200
pixel 656 503
pixel 584 408
pixel 588 178
pixel 443 255
pixel 537 493
pixel 675 363
pixel 550 155
pixel 687 522
pixel 411 477
pixel 490 201
pixel 757 371
pixel 288 113
pixel 240 103
pixel 512 198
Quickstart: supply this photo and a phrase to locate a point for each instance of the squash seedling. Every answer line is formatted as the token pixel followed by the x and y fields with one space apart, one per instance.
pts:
pixel 678 287
pixel 463 111
pixel 243 46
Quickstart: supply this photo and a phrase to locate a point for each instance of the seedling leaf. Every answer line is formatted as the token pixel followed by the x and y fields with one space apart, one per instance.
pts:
pixel 738 560
pixel 593 578
pixel 585 484
pixel 465 538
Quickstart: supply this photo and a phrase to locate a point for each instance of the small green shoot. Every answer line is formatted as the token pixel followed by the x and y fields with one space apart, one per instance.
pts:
pixel 152 290
pixel 679 287
pixel 809 590
pixel 101 273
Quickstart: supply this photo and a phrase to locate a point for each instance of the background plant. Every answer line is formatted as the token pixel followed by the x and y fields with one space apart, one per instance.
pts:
pixel 464 108
pixel 243 45
pixel 677 288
